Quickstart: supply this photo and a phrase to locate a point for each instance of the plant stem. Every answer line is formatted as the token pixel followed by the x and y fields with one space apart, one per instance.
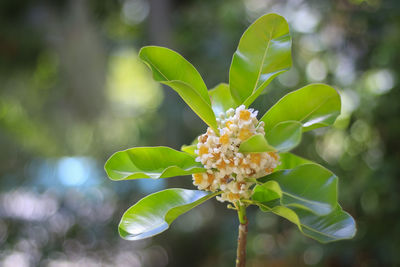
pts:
pixel 242 236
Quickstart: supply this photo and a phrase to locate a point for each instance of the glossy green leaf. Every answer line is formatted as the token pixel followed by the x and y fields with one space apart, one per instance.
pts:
pixel 290 161
pixel 315 105
pixel 337 225
pixel 154 213
pixel 221 99
pixel 285 136
pixel 264 51
pixel 334 226
pixel 309 186
pixel 150 162
pixel 255 144
pixel 172 69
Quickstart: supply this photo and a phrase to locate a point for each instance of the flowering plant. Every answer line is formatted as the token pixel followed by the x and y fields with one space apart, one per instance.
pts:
pixel 240 159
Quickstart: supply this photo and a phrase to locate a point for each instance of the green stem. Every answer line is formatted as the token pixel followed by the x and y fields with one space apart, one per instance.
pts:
pixel 242 236
pixel 241 213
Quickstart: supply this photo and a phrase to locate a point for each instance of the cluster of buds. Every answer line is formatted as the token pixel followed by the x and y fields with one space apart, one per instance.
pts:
pixel 228 170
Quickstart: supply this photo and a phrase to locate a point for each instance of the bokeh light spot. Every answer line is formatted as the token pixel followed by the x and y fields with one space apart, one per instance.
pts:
pixel 380 81
pixel 316 70
pixel 135 11
pixel 130 87
pixel 72 171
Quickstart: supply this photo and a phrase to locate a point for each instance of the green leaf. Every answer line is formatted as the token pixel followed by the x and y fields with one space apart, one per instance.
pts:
pixel 172 69
pixel 334 226
pixel 315 105
pixel 154 213
pixel 290 161
pixel 189 149
pixel 285 135
pixel 221 99
pixel 168 65
pixel 255 144
pixel 267 191
pixel 150 162
pixel 309 186
pixel 264 51
pixel 337 225
pixel 282 211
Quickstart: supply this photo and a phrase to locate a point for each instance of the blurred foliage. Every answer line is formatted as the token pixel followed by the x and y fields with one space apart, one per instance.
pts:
pixel 70 84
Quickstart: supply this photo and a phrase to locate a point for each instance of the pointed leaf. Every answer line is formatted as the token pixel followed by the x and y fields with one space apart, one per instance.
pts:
pixel 154 213
pixel 150 162
pixel 315 105
pixel 309 186
pixel 256 144
pixel 264 51
pixel 290 161
pixel 172 69
pixel 335 226
pixel 221 99
pixel 285 135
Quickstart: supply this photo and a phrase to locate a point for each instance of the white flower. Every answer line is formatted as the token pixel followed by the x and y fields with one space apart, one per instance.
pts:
pixel 227 168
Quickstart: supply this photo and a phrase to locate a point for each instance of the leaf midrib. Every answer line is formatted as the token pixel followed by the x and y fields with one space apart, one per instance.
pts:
pixel 263 59
pixel 316 108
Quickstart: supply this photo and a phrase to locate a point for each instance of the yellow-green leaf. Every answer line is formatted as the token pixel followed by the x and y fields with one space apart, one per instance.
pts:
pixel 189 149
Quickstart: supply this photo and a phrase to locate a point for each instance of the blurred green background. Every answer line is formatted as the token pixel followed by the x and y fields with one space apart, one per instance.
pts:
pixel 72 92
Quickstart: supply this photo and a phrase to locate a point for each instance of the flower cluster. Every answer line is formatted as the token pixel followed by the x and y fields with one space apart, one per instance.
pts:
pixel 229 170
